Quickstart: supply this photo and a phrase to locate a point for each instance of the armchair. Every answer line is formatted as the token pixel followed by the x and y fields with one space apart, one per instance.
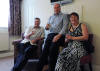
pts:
pixel 35 56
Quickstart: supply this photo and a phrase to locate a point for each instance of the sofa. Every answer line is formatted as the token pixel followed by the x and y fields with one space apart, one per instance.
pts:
pixel 32 63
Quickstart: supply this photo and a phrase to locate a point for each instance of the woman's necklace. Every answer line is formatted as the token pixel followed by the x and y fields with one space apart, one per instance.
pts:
pixel 75 26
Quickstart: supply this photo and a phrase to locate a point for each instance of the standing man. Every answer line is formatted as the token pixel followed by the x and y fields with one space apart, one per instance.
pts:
pixel 28 46
pixel 57 25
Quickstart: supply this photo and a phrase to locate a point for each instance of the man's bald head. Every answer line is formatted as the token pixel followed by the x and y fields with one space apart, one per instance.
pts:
pixel 57 8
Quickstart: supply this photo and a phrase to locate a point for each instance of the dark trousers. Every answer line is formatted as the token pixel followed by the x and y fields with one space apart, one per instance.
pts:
pixel 50 52
pixel 25 52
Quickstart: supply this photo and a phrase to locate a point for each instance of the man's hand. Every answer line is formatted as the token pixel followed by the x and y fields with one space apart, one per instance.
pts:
pixel 32 33
pixel 27 37
pixel 33 41
pixel 47 27
pixel 56 38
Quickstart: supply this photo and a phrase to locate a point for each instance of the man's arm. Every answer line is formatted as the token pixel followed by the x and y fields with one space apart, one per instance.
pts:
pixel 84 34
pixel 28 32
pixel 48 25
pixel 37 39
pixel 65 24
pixel 64 28
pixel 41 37
pixel 28 35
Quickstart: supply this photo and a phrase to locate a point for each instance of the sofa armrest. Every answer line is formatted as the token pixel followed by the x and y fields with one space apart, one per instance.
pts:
pixel 35 55
pixel 16 43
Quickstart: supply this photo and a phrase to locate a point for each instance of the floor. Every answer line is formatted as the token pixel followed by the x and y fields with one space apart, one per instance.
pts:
pixel 6 63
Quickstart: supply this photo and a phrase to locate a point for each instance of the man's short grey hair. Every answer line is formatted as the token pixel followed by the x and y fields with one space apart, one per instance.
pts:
pixel 37 18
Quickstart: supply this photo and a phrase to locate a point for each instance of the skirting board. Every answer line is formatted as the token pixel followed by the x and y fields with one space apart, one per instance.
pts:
pixel 10 53
pixel 96 67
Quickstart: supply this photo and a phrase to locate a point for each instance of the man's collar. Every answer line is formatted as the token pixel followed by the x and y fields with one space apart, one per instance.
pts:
pixel 58 13
pixel 36 27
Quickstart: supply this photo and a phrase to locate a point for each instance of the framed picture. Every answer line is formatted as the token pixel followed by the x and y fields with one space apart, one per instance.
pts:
pixel 61 1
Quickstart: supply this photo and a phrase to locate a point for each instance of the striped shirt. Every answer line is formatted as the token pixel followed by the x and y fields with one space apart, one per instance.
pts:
pixel 39 32
pixel 58 23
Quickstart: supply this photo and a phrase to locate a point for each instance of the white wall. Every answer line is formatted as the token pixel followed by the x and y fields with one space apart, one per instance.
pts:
pixel 27 13
pixel 35 8
pixel 88 10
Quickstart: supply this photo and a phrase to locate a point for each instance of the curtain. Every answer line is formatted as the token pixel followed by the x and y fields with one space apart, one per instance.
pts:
pixel 15 18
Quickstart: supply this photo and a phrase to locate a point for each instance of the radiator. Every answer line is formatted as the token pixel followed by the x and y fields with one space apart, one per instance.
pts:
pixel 4 39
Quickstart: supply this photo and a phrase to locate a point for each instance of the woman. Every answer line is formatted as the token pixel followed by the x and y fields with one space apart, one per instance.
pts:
pixel 69 58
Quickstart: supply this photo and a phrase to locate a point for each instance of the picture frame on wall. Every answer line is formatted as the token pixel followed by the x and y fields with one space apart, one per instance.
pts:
pixel 62 2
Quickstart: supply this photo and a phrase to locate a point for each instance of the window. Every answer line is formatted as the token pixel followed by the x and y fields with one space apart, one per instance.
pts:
pixel 4 13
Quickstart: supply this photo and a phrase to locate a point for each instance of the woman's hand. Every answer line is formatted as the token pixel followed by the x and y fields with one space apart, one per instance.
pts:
pixel 66 40
pixel 69 37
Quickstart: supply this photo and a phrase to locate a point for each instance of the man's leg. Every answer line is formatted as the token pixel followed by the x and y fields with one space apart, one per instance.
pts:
pixel 21 48
pixel 43 59
pixel 44 56
pixel 17 65
pixel 53 53
pixel 23 57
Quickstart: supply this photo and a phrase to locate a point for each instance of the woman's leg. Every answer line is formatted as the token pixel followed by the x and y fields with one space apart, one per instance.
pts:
pixel 68 60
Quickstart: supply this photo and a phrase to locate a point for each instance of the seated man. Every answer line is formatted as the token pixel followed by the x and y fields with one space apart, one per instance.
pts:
pixel 28 46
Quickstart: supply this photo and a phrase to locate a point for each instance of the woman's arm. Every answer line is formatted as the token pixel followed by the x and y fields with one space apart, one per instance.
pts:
pixel 84 34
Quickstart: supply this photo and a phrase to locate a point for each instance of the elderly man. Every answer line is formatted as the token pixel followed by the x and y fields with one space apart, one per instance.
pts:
pixel 57 25
pixel 27 46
